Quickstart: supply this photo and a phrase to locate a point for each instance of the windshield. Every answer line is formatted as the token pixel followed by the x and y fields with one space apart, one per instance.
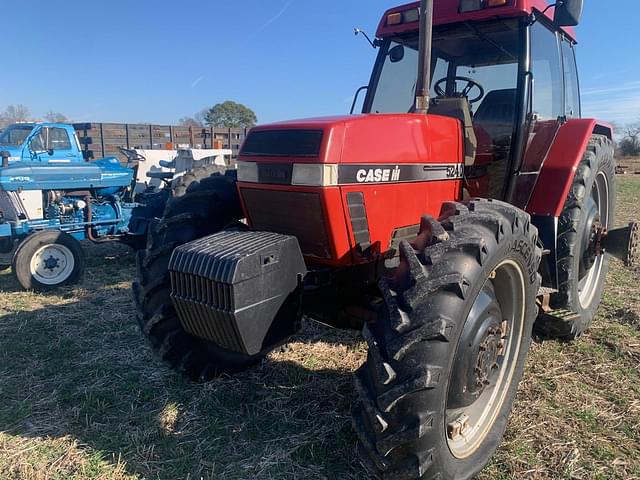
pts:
pixel 15 135
pixel 487 53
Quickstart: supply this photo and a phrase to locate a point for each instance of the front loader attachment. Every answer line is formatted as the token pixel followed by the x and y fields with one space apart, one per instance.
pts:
pixel 240 290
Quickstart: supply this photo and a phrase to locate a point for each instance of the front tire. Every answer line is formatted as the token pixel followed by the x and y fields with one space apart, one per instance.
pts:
pixel 47 260
pixel 204 205
pixel 446 357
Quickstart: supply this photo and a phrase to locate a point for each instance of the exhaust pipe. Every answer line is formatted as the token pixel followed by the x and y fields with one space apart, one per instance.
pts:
pixel 624 244
pixel 423 84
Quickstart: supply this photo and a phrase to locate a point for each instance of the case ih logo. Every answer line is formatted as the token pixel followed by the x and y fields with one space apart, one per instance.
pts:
pixel 378 175
pixel 426 172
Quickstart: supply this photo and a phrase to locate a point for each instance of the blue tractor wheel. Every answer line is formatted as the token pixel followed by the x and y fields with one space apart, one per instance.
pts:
pixel 47 260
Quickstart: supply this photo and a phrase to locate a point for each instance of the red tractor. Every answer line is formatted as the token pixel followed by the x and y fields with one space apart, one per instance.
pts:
pixel 446 221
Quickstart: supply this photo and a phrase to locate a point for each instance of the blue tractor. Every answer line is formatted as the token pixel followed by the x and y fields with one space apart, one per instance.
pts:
pixel 51 198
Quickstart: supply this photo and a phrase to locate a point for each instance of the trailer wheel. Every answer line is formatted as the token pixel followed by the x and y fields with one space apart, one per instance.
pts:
pixel 582 274
pixel 206 206
pixel 47 260
pixel 448 352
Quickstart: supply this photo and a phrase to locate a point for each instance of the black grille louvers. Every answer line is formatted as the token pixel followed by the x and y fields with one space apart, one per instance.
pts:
pixel 283 143
pixel 230 288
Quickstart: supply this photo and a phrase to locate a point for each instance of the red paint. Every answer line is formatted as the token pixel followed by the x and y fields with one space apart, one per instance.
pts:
pixel 552 188
pixel 447 11
pixel 388 138
pixel 376 139
pixel 395 206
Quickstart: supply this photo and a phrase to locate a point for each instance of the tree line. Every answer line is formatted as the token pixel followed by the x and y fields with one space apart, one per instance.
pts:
pixel 227 114
pixel 628 144
pixel 19 113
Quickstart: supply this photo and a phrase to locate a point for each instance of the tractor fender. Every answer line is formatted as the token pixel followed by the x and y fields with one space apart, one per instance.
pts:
pixel 557 174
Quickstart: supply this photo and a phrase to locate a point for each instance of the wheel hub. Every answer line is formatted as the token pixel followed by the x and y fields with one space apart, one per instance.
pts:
pixel 485 359
pixel 479 363
pixel 51 263
pixel 488 353
pixel 592 243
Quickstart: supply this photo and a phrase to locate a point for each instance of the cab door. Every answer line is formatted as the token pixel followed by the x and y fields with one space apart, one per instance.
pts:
pixel 51 145
pixel 547 107
pixel 61 145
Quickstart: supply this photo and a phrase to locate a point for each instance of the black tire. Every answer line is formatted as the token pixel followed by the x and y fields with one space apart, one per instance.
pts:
pixel 207 206
pixel 65 257
pixel 180 186
pixel 597 163
pixel 404 386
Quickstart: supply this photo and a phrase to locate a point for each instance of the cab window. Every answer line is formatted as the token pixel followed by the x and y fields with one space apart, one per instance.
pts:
pixel 39 141
pixel 59 139
pixel 572 87
pixel 547 73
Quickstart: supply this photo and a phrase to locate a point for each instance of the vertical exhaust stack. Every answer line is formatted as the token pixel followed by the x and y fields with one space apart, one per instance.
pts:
pixel 424 57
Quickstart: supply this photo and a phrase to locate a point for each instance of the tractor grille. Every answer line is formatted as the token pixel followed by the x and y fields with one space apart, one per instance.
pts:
pixel 297 214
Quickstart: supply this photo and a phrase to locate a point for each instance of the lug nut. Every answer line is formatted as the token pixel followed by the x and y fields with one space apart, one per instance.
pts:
pixel 458 428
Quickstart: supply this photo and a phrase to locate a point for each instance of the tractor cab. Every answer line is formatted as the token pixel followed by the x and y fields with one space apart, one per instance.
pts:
pixel 482 70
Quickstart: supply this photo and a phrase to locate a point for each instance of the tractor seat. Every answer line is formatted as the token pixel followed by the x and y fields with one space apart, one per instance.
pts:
pixel 160 175
pixel 497 112
pixel 458 107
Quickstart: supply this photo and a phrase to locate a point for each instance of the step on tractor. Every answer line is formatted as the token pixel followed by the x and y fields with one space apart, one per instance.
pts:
pixel 51 199
pixel 468 204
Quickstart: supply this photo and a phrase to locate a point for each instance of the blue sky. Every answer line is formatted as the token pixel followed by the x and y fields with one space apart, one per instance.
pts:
pixel 158 61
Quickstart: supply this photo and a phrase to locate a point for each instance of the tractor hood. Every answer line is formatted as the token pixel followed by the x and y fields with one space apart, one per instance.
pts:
pixel 105 173
pixel 358 139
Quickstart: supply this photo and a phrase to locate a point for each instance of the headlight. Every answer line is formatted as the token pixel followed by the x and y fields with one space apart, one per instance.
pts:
pixel 314 174
pixel 248 172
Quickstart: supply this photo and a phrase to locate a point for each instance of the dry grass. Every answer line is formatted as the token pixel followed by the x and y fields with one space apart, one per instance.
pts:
pixel 82 397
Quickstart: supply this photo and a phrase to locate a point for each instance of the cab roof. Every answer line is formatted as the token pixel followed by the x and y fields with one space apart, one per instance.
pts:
pixel 448 11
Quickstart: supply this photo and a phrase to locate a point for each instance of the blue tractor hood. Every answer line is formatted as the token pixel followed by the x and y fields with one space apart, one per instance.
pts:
pixel 106 173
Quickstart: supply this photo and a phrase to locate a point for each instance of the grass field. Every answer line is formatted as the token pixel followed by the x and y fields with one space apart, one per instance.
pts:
pixel 82 397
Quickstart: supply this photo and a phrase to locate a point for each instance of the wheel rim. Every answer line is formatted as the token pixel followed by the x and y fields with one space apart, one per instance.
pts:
pixel 589 280
pixel 52 264
pixel 501 301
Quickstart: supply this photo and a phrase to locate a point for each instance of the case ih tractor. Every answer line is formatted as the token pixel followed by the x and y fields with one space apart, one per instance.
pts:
pixel 468 203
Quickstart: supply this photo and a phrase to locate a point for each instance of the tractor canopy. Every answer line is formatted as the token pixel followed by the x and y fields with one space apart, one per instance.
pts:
pixel 405 18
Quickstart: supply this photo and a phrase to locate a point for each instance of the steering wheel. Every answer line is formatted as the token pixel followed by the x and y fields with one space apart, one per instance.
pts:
pixel 471 84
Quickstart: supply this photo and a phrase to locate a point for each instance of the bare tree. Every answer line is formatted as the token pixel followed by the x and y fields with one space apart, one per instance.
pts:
pixel 14 114
pixel 629 145
pixel 201 117
pixel 56 117
pixel 189 122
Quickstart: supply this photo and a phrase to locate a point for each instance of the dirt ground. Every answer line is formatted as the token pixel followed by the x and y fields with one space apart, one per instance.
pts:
pixel 83 397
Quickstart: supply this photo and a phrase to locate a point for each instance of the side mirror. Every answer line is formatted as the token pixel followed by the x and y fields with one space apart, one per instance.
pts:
pixel 568 13
pixel 396 54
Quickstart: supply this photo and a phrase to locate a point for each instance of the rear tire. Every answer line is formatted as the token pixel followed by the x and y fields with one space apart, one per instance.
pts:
pixel 206 205
pixel 412 390
pixel 47 260
pixel 581 289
